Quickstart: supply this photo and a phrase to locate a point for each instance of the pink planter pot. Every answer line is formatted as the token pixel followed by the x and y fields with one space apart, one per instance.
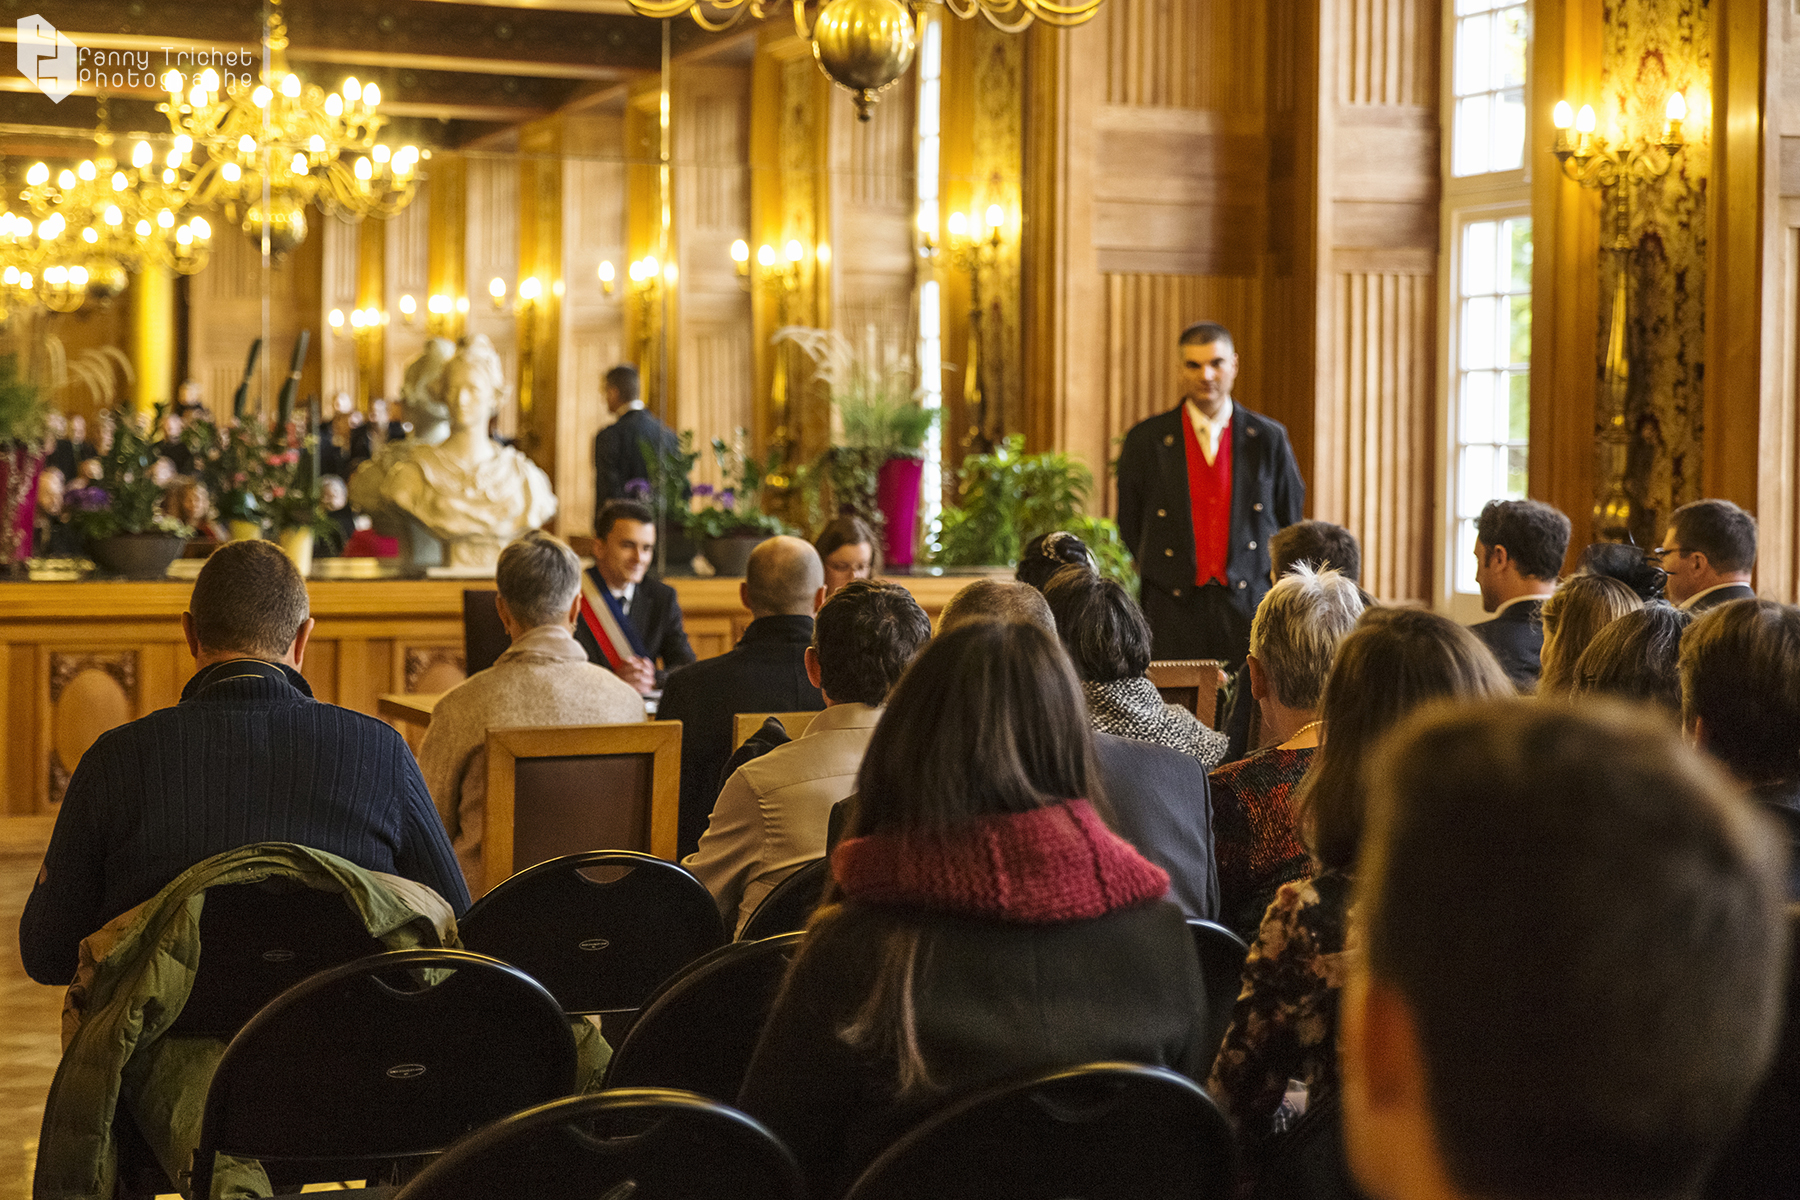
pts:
pixel 897 487
pixel 19 470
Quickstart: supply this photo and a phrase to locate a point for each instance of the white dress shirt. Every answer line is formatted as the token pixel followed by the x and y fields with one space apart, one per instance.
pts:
pixel 1210 429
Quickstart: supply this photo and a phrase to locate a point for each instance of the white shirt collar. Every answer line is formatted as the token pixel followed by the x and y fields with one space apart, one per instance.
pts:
pixel 625 593
pixel 1208 430
pixel 634 406
pixel 1717 587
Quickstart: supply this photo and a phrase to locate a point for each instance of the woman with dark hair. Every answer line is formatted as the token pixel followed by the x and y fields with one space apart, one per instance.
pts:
pixel 849 549
pixel 1575 613
pixel 1285 1024
pixel 1636 657
pixel 984 924
pixel 1048 553
pixel 1108 640
pixel 1627 564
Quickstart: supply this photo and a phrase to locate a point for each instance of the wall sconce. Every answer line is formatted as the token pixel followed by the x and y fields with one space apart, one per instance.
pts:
pixel 740 255
pixel 408 307
pixel 497 291
pixel 1590 160
pixel 606 278
pixel 336 321
pixel 437 314
pixel 973 253
pixel 646 276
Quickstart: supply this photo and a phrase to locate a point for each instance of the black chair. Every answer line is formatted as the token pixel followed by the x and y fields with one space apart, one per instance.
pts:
pixel 600 947
pixel 1222 955
pixel 1105 1131
pixel 1307 1162
pixel 484 638
pixel 700 1029
pixel 790 904
pixel 389 1057
pixel 643 1143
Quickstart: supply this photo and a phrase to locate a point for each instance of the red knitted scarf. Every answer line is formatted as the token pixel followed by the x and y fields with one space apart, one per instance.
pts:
pixel 1036 868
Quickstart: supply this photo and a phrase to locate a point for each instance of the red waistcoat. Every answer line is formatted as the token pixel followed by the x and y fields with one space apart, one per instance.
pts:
pixel 1209 501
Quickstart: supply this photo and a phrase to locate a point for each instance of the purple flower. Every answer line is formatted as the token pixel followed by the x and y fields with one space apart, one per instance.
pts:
pixel 87 499
pixel 637 489
pixel 703 490
pixel 727 499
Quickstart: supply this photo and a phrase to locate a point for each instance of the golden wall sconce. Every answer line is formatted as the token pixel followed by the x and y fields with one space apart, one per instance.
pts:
pixel 606 274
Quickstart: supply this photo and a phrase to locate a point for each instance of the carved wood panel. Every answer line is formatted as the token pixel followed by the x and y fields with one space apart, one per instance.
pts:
pixel 431 669
pixel 90 693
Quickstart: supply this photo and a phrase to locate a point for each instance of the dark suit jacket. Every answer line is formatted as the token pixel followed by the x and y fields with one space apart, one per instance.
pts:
pixel 766 672
pixel 1156 518
pixel 1516 637
pixel 1163 805
pixel 618 457
pixel 656 616
pixel 1737 591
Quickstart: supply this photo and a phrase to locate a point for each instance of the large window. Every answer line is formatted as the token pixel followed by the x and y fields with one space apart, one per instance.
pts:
pixel 1486 283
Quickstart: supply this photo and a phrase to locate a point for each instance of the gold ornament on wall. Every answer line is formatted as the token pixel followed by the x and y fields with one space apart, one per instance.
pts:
pixel 863 46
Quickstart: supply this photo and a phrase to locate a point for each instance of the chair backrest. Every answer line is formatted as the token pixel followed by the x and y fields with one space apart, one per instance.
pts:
pixel 1307 1162
pixel 1222 954
pixel 257 940
pixel 700 1029
pixel 601 930
pixel 1192 683
pixel 645 1142
pixel 788 907
pixel 484 638
pixel 384 1058
pixel 745 724
pixel 1106 1131
pixel 570 789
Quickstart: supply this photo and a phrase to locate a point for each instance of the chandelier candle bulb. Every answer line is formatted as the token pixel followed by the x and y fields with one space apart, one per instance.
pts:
pixel 38 175
pixel 352 90
pixel 119 182
pixel 371 96
pixel 290 86
pixel 380 153
pixel 334 105
pixel 65 179
pixel 209 80
pixel 261 96
pixel 364 171
pixel 86 169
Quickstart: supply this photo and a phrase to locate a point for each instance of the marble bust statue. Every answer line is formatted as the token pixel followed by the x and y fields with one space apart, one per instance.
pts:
pixel 429 416
pixel 457 503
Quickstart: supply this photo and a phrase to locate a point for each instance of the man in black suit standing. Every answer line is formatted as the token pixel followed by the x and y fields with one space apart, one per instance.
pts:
pixel 783 588
pixel 626 539
pixel 618 449
pixel 1519 548
pixel 1709 553
pixel 1202 489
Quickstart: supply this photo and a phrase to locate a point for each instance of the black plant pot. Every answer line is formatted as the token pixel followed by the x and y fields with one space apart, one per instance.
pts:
pixel 136 555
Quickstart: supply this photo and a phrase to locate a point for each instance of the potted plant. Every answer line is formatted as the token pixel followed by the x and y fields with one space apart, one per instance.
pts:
pixel 295 508
pixel 1006 498
pixel 233 461
pixel 120 515
pixel 880 428
pixel 24 420
pixel 730 520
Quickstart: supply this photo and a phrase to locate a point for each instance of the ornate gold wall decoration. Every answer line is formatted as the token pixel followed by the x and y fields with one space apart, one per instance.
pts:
pixel 90 692
pixel 431 669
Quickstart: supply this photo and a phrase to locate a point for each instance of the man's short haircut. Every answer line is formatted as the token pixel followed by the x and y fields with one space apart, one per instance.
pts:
pixel 1297 628
pixel 783 577
pixel 997 600
pixel 1637 657
pixel 248 599
pixel 1535 535
pixel 624 380
pixel 1100 625
pixel 1586 922
pixel 1201 333
pixel 621 510
pixel 539 578
pixel 1719 529
pixel 1319 544
pixel 865 636
pixel 1740 673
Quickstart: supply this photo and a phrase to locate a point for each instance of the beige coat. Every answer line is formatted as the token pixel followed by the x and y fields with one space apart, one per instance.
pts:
pixel 772 815
pixel 543 679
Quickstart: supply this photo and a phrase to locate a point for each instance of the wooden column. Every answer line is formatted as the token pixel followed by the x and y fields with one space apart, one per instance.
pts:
pixel 540 319
pixel 371 292
pixel 446 262
pixel 153 336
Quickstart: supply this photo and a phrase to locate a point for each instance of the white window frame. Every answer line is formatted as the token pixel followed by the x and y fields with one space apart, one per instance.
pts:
pixel 1466 199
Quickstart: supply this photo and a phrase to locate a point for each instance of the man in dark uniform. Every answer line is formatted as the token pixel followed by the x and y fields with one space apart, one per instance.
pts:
pixel 1202 489
pixel 618 449
pixel 1519 549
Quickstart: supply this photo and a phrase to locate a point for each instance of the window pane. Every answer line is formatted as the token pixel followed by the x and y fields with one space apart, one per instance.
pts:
pixel 1468 140
pixel 1479 257
pixel 1509 47
pixel 1518 420
pixel 1474 55
pixel 1520 332
pixel 1465 555
pixel 1507 151
pixel 1478 333
pixel 1518 236
pixel 1478 408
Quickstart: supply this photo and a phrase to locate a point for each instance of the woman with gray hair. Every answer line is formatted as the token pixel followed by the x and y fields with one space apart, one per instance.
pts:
pixel 1293 639
pixel 1108 639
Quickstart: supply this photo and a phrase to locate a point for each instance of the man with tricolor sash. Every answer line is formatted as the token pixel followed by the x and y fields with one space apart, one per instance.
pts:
pixel 629 621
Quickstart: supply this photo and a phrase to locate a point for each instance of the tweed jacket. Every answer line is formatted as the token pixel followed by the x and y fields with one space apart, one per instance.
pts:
pixel 1156 519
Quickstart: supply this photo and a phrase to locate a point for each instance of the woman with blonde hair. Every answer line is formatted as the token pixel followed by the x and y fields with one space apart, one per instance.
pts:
pixel 985 923
pixel 1575 613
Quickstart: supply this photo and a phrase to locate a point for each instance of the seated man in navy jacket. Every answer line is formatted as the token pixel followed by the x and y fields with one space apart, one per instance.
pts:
pixel 247 756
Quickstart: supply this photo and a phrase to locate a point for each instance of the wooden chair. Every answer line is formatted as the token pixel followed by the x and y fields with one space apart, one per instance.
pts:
pixel 570 789
pixel 1191 683
pixel 745 724
pixel 484 638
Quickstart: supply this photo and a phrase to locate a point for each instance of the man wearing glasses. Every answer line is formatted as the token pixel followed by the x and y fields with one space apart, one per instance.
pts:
pixel 1709 552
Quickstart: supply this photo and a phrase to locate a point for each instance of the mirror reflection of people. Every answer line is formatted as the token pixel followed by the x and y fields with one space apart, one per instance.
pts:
pixel 642 622
pixel 171 447
pixel 849 550
pixel 618 449
pixel 51 535
pixel 334 495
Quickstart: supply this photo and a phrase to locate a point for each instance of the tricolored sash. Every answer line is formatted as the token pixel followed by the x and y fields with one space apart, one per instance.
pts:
pixel 605 619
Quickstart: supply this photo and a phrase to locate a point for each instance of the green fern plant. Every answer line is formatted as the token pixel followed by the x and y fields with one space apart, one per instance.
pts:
pixel 24 407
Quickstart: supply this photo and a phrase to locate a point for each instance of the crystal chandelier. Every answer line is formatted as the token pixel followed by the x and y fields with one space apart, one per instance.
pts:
pixel 1012 16
pixel 264 153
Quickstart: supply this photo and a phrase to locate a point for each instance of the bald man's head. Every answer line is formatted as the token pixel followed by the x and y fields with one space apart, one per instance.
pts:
pixel 783 579
pixel 997 600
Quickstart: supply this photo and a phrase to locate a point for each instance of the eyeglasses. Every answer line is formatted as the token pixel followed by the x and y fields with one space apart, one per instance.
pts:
pixel 1662 552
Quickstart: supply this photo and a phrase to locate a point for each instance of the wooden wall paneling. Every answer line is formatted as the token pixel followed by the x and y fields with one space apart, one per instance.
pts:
pixel 338 246
pixel 491 207
pixel 225 314
pixel 540 323
pixel 320 667
pixel 714 393
pixel 645 236
pixel 371 292
pixel 447 245
pixel 92 326
pixel 805 214
pixel 593 333
pixel 1565 293
pixel 407 272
